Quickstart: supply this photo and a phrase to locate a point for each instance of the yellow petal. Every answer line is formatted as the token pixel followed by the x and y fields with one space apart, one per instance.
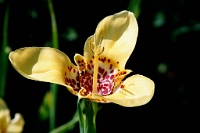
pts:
pixel 17 124
pixel 4 120
pixel 43 64
pixel 117 34
pixel 138 90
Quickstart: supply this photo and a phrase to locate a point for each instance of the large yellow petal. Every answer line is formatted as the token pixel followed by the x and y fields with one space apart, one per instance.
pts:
pixel 138 90
pixel 43 64
pixel 117 34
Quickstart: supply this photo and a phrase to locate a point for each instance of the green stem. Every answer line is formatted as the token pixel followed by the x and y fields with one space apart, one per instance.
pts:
pixel 53 25
pixel 87 120
pixel 53 87
pixel 134 6
pixel 68 126
pixel 4 54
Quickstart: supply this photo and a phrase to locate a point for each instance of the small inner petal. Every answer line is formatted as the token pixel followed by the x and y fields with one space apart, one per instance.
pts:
pixel 72 78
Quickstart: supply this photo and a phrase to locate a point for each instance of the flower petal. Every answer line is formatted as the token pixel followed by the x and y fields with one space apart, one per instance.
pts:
pixel 137 90
pixel 116 35
pixel 4 120
pixel 43 64
pixel 17 124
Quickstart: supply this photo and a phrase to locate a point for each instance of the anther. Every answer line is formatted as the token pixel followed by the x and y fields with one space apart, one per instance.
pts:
pixel 100 49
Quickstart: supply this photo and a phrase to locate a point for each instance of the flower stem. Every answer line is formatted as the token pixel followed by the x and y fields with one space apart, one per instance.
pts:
pixel 87 120
pixel 53 87
pixel 3 54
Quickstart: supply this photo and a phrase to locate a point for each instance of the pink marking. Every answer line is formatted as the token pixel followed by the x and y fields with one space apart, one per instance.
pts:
pixel 112 77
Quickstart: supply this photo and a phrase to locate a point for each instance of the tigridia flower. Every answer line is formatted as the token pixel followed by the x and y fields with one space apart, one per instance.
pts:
pixel 99 74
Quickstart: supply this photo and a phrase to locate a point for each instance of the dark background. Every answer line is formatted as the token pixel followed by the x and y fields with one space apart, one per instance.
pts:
pixel 169 35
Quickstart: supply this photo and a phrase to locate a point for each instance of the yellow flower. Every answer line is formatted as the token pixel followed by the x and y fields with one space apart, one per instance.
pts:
pixel 99 74
pixel 7 125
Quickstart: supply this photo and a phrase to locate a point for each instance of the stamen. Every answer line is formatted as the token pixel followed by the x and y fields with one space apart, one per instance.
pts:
pixel 98 49
pixel 96 52
pixel 101 51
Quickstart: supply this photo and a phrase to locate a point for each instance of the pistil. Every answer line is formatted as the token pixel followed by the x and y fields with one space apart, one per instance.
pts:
pixel 97 51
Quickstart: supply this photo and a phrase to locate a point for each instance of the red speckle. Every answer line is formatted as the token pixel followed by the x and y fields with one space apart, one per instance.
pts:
pixel 77 78
pixel 122 86
pixel 89 67
pixel 72 85
pixel 112 71
pixel 73 82
pixel 105 73
pixel 108 60
pixel 101 70
pixel 110 66
pixel 99 76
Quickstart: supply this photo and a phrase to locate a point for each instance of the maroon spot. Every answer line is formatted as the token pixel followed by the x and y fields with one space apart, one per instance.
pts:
pixel 108 60
pixel 118 62
pixel 66 80
pixel 110 66
pixel 112 71
pixel 105 73
pixel 99 76
pixel 73 81
pixel 77 78
pixel 122 86
pixel 72 85
pixel 101 70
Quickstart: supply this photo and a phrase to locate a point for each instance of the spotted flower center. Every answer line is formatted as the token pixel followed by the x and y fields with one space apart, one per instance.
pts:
pixel 109 78
pixel 105 77
pixel 98 74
